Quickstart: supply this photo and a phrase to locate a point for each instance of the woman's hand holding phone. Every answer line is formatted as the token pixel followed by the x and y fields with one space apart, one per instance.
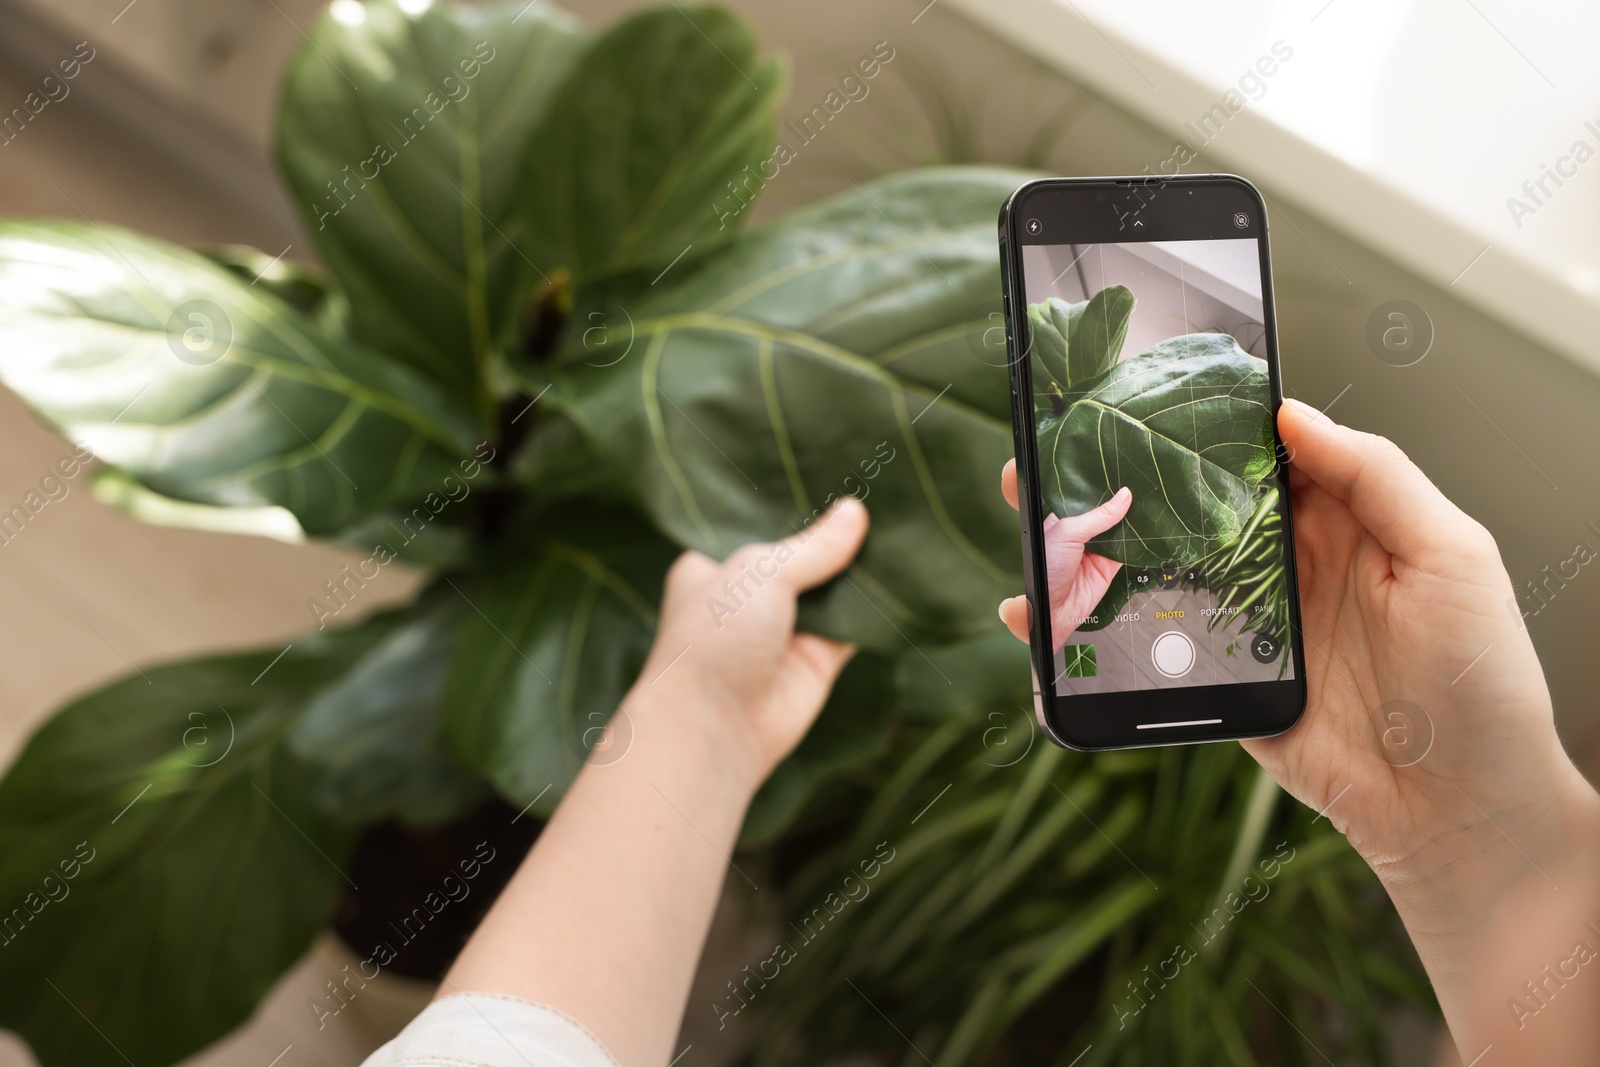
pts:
pixel 1405 599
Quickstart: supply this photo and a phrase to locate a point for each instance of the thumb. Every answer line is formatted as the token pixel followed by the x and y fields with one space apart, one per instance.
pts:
pixel 1079 529
pixel 824 548
pixel 1384 490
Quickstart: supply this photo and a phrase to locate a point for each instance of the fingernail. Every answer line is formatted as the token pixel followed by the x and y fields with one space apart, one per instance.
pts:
pixel 1003 604
pixel 846 504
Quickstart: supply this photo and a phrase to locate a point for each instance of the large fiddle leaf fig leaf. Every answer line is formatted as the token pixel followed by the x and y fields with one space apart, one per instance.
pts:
pixel 1074 343
pixel 659 122
pixel 207 389
pixel 982 674
pixel 401 137
pixel 163 863
pixel 1187 426
pixel 810 362
pixel 903 271
pixel 117 489
pixel 558 462
pixel 373 741
pixel 731 432
pixel 551 643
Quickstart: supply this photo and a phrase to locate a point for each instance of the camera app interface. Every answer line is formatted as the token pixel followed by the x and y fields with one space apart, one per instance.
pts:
pixel 1150 375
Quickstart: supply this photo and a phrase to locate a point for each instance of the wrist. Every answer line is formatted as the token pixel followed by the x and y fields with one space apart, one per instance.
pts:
pixel 1455 891
pixel 1476 852
pixel 677 728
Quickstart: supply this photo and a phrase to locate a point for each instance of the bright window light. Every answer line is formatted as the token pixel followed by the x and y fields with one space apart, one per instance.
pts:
pixel 348 12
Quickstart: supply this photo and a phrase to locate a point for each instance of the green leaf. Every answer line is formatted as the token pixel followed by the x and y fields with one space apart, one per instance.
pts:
pixel 443 543
pixel 558 462
pixel 981 674
pixel 1080 660
pixel 1073 343
pixel 373 740
pixel 554 639
pixel 738 421
pixel 305 288
pixel 660 119
pixel 903 271
pixel 730 432
pixel 206 389
pixel 1186 425
pixel 163 866
pixel 401 138
pixel 116 489
pixel 1088 929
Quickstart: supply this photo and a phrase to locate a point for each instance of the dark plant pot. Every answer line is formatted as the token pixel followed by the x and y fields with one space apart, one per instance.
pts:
pixel 424 889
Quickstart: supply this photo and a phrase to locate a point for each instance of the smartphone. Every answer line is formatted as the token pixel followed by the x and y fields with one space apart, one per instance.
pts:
pixel 1143 354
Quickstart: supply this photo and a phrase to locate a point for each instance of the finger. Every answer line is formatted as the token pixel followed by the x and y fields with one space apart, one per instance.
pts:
pixel 688 572
pixel 1008 482
pixel 1015 614
pixel 1385 491
pixel 822 549
pixel 1078 529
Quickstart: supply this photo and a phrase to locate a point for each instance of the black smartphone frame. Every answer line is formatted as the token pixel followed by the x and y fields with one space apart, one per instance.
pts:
pixel 1115 210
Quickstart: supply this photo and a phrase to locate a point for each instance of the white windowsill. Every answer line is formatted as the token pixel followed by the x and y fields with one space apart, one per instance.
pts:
pixel 1406 124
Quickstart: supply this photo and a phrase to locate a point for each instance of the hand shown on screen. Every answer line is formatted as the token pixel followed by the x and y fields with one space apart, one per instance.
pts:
pixel 1077 577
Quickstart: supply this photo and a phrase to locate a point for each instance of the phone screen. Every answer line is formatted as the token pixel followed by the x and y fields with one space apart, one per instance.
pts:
pixel 1150 370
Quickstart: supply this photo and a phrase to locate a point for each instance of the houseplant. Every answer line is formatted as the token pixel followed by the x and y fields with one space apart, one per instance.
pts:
pixel 542 360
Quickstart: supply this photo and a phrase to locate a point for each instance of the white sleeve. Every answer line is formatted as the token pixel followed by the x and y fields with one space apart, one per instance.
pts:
pixel 489 1030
